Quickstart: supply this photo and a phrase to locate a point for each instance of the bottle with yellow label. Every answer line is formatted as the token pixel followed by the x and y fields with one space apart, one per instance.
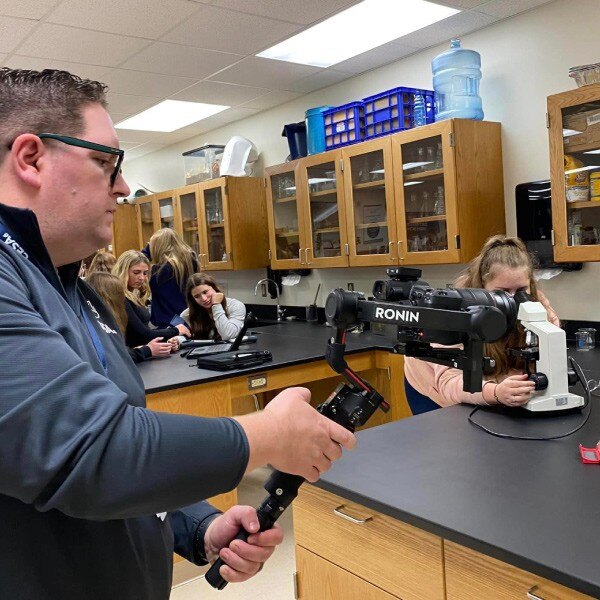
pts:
pixel 595 186
pixel 577 183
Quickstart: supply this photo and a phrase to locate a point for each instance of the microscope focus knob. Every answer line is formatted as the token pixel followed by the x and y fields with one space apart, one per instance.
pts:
pixel 541 381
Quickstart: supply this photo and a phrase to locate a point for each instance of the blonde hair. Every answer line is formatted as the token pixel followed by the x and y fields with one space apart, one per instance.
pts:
pixel 128 259
pixel 102 262
pixel 110 288
pixel 166 247
pixel 500 252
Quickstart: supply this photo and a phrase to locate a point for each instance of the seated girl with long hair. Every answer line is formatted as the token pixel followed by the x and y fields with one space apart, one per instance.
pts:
pixel 503 264
pixel 209 314
pixel 132 270
pixel 111 291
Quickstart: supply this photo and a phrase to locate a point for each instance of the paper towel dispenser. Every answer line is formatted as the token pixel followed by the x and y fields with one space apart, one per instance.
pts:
pixel 534 223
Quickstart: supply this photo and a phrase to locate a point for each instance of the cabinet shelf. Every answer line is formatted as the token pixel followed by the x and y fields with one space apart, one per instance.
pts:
pixel 190 229
pixel 427 219
pixel 367 225
pixel 369 184
pixel 323 193
pixel 583 147
pixel 217 226
pixel 327 230
pixel 584 204
pixel 432 173
pixel 284 200
pixel 286 234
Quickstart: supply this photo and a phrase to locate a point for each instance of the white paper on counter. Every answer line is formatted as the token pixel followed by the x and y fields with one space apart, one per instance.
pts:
pixel 290 280
pixel 546 274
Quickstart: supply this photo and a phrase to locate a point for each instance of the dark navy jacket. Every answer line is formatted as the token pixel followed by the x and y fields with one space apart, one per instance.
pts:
pixel 84 466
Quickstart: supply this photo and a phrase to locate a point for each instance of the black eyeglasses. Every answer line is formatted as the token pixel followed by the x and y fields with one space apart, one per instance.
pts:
pixel 71 141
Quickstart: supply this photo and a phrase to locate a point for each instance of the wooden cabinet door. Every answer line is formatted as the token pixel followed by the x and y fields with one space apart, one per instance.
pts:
pixel 471 576
pixel 318 579
pixel 425 195
pixel 370 211
pixel 322 191
pixel 145 210
pixel 186 216
pixel 215 235
pixel 396 557
pixel 574 130
pixel 285 217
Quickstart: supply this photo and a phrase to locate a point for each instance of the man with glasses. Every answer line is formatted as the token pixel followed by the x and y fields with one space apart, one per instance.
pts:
pixel 92 484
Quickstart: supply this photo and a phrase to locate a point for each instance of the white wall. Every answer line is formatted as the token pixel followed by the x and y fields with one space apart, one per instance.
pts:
pixel 524 59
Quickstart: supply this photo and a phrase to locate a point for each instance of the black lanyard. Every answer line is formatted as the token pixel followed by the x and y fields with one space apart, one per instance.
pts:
pixel 8 238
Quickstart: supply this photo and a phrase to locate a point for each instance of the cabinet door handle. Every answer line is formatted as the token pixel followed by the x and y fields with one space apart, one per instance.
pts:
pixel 307 261
pixel 338 511
pixel 391 246
pixel 400 257
pixel 300 256
pixel 532 596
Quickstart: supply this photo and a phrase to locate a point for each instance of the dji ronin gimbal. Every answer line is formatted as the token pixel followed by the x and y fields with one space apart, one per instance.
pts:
pixel 423 315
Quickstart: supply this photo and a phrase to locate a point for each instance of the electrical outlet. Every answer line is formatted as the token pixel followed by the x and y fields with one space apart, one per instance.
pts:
pixel 263 290
pixel 350 287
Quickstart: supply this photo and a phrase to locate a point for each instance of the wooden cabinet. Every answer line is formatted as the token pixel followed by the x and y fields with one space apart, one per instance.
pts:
pixel 222 219
pixel 392 556
pixel 574 130
pixel 471 576
pixel 319 579
pixel 428 195
pixel 306 212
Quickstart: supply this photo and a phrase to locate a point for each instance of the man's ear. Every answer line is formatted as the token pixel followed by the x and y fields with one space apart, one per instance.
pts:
pixel 26 155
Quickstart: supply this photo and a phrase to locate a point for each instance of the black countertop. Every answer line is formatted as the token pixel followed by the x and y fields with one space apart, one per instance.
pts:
pixel 533 504
pixel 290 343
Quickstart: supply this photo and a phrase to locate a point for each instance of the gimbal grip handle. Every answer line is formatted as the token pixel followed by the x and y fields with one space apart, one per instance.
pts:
pixel 213 576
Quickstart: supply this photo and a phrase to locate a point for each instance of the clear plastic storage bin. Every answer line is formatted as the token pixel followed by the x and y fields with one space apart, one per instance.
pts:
pixel 202 163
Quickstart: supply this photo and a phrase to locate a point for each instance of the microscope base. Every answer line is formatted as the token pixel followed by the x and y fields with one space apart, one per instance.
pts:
pixel 556 402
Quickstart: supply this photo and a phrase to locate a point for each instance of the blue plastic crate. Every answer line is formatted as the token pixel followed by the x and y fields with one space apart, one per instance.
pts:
pixel 393 110
pixel 344 125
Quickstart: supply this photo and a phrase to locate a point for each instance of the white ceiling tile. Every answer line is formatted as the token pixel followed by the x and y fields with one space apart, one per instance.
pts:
pixel 213 92
pixel 274 98
pixel 28 9
pixel 13 32
pixel 2 59
pixel 122 81
pixel 133 136
pixel 174 59
pixel 69 43
pixel 264 72
pixel 38 64
pixel 376 57
pixel 141 18
pixel 462 4
pixel 507 8
pixel 131 105
pixel 445 30
pixel 141 151
pixel 128 145
pixel 218 29
pixel 303 12
pixel 319 80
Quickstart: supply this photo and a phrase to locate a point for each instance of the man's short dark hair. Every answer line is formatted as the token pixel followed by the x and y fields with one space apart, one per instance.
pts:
pixel 44 101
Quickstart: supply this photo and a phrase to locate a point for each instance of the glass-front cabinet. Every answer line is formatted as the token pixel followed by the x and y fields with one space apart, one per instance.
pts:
pixel 187 199
pixel 369 188
pixel 166 210
pixel 284 211
pixel 574 129
pixel 144 210
pixel 215 239
pixel 322 190
pixel 425 203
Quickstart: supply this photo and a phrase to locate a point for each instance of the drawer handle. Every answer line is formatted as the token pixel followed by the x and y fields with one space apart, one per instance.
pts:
pixel 533 596
pixel 338 511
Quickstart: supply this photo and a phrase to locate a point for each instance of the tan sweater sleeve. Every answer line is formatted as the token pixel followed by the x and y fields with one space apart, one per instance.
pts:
pixel 444 385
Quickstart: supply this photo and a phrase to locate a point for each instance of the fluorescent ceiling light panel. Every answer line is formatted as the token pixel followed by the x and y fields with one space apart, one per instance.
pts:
pixel 357 29
pixel 170 115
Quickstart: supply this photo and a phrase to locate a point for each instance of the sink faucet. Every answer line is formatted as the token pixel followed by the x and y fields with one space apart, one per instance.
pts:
pixel 280 311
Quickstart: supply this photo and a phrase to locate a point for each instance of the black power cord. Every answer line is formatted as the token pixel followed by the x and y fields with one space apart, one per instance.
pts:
pixel 584 382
